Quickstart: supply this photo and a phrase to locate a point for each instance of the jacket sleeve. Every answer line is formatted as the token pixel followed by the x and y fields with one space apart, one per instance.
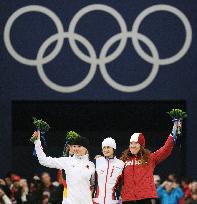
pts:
pixel 92 179
pixel 178 193
pixel 164 151
pixel 58 163
pixel 160 191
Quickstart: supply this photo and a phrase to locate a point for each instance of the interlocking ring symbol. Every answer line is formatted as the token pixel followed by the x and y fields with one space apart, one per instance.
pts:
pixel 103 59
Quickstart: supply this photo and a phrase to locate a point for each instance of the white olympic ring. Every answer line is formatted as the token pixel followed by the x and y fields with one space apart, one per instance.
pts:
pixel 109 10
pixel 53 85
pixel 176 12
pixel 103 58
pixel 139 86
pixel 20 12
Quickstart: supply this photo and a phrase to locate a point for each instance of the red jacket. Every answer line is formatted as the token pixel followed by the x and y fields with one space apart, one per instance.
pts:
pixel 138 182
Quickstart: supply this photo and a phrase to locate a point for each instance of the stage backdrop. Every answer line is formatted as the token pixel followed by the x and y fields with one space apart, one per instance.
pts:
pixel 124 50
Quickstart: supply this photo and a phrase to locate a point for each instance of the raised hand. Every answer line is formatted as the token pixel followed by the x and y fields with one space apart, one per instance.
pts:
pixel 35 136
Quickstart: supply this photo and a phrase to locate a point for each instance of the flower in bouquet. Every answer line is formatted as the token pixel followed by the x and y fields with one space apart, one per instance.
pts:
pixel 71 136
pixel 40 125
pixel 177 116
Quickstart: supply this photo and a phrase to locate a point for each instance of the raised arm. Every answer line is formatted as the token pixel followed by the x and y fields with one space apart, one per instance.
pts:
pixel 164 151
pixel 58 163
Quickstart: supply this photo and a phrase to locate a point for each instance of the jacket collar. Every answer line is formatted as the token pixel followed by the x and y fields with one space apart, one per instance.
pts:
pixel 111 158
pixel 85 157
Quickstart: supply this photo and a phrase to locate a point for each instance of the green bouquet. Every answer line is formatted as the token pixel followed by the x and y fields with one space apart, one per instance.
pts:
pixel 40 125
pixel 72 135
pixel 177 116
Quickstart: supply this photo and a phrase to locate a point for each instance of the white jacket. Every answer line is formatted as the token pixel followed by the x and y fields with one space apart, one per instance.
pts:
pixel 79 171
pixel 108 178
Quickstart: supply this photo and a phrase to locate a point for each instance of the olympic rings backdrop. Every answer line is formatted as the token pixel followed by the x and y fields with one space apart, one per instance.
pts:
pixel 98 50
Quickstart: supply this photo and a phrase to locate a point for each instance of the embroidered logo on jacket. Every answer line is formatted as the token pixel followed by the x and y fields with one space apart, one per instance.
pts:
pixel 133 162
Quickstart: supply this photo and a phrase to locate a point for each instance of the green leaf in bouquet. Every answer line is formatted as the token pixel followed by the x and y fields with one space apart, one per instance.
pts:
pixel 41 125
pixel 33 139
pixel 177 113
pixel 72 135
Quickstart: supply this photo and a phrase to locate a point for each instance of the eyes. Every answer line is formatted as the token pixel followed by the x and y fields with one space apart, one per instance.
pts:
pixel 106 148
pixel 133 143
pixel 75 146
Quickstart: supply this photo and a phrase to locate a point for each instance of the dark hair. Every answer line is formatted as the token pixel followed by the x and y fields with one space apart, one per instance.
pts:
pixel 169 180
pixel 10 173
pixel 44 172
pixel 186 180
pixel 143 155
pixel 66 150
pixel 114 154
pixel 82 141
pixel 174 178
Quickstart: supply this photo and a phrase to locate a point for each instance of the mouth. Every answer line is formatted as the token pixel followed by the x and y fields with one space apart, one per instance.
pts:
pixel 106 152
pixel 133 148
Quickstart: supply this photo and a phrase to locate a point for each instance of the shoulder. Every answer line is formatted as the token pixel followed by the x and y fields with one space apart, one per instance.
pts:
pixel 100 160
pixel 120 162
pixel 92 166
pixel 91 163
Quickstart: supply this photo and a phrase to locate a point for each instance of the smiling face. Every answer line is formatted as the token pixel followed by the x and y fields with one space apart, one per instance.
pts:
pixel 79 150
pixel 108 151
pixel 134 147
pixel 71 150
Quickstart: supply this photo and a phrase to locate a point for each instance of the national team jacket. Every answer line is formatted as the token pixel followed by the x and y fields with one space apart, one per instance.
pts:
pixel 138 181
pixel 79 173
pixel 107 182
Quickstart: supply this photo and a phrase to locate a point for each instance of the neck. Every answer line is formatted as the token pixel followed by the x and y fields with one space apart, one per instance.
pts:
pixel 110 157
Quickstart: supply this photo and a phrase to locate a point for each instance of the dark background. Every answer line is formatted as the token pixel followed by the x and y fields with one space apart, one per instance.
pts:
pixel 96 120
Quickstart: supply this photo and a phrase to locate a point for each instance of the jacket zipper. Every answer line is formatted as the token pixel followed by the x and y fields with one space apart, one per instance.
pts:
pixel 106 182
pixel 134 162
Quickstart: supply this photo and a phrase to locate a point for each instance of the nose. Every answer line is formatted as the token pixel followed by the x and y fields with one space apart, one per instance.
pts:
pixel 75 149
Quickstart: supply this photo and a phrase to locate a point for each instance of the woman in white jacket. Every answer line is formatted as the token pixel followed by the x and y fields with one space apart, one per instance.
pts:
pixel 108 175
pixel 79 170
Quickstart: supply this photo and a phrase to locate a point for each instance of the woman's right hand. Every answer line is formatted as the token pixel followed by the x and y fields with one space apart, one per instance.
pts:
pixel 36 135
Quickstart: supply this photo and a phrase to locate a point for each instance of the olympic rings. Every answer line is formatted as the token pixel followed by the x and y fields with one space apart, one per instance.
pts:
pixel 103 58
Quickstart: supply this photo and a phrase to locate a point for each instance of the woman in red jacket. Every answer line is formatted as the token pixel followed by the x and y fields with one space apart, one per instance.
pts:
pixel 138 183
